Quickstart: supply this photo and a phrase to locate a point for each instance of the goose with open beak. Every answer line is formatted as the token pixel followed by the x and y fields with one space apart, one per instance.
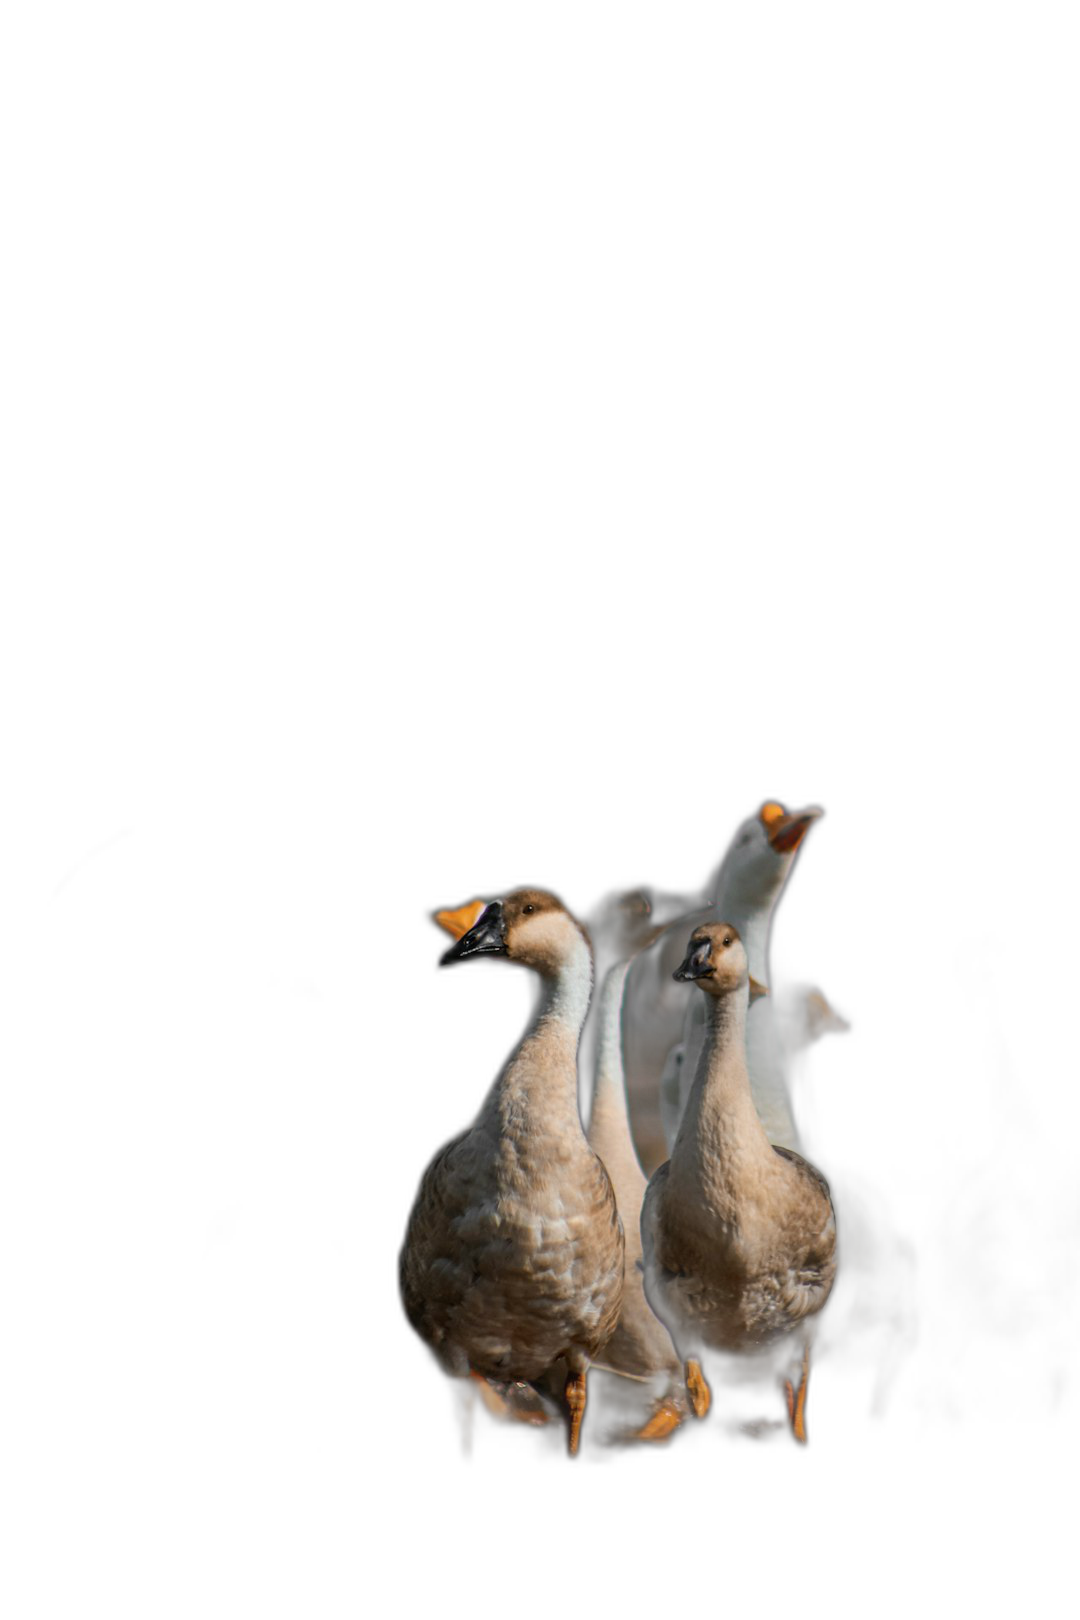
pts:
pixel 514 1253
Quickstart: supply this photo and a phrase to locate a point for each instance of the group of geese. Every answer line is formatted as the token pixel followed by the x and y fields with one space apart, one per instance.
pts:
pixel 535 1249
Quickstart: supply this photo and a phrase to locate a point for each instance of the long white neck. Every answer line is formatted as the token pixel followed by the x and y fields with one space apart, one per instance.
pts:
pixel 539 1078
pixel 604 1107
pixel 766 1078
pixel 753 919
pixel 720 1129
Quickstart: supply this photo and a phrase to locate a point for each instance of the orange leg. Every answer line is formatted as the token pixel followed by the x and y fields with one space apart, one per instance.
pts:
pixel 697 1388
pixel 475 1390
pixel 665 1418
pixel 796 1400
pixel 490 1396
pixel 575 1400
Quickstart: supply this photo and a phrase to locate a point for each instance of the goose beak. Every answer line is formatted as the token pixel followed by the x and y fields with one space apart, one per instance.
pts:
pixel 666 906
pixel 459 922
pixel 487 936
pixel 697 964
pixel 787 830
pixel 756 990
pixel 820 1016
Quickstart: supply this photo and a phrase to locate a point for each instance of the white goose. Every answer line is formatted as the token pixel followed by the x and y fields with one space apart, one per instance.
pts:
pixel 748 886
pixel 514 1254
pixel 738 1234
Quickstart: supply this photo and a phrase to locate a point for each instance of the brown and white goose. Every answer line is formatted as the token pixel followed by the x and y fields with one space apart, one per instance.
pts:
pixel 738 1235
pixel 514 1254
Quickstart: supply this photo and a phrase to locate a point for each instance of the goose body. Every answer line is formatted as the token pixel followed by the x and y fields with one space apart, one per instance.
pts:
pixel 513 1257
pixel 748 886
pixel 738 1234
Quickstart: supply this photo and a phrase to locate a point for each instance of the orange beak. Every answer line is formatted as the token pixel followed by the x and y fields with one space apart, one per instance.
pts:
pixel 457 923
pixel 786 829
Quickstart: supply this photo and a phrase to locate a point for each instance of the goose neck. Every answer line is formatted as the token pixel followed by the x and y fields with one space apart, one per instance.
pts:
pixel 720 1125
pixel 609 1116
pixel 539 1079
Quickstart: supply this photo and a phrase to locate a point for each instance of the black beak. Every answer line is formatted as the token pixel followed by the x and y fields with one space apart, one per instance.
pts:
pixel 487 936
pixel 666 906
pixel 698 962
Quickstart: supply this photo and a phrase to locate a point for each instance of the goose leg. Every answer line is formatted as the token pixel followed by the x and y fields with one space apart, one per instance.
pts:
pixel 502 1411
pixel 575 1400
pixel 668 1412
pixel 697 1388
pixel 473 1389
pixel 492 1398
pixel 796 1399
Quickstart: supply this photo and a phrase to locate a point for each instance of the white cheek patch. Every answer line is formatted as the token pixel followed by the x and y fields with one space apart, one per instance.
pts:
pixel 551 940
pixel 548 933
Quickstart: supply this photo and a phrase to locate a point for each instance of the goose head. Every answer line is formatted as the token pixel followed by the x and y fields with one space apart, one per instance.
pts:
pixel 529 926
pixel 761 855
pixel 625 920
pixel 716 962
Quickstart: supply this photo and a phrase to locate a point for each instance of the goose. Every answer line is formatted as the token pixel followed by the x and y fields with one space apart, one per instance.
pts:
pixel 640 1346
pixel 748 886
pixel 514 1252
pixel 738 1233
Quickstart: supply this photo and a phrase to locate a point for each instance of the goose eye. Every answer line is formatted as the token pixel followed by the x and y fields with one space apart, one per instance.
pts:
pixel 528 909
pixel 727 939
